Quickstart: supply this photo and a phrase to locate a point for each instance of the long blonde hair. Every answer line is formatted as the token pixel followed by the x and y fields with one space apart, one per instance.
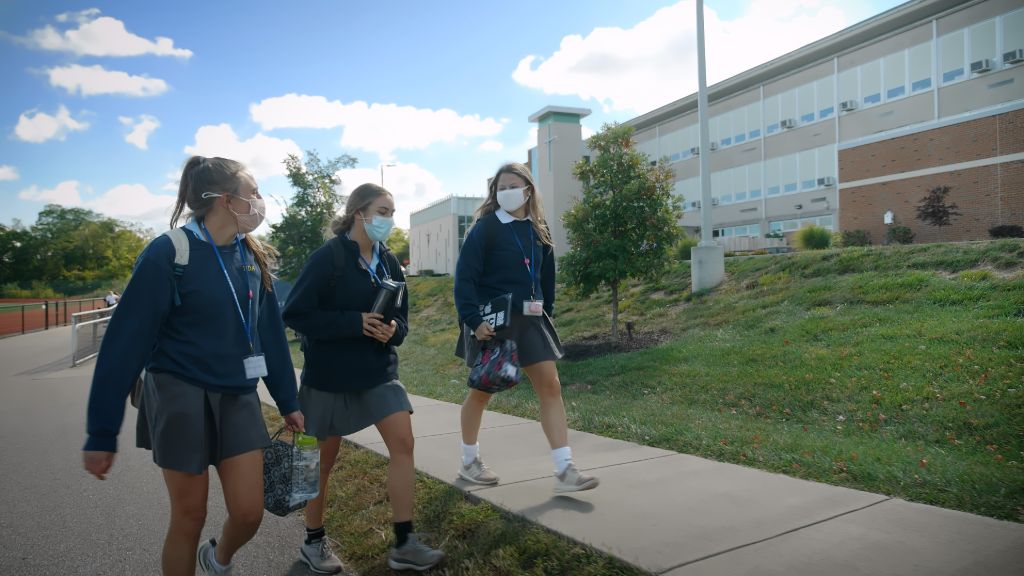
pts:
pixel 225 177
pixel 534 207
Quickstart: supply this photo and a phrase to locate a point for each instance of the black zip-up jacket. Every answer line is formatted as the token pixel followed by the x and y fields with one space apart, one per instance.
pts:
pixel 338 356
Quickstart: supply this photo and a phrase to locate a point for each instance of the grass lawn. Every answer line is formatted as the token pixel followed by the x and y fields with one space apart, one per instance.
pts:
pixel 897 370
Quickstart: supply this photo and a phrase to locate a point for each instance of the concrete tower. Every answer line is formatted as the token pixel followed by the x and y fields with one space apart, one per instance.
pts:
pixel 559 146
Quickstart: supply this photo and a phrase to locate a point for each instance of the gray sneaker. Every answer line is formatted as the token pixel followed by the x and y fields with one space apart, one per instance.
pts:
pixel 319 557
pixel 414 555
pixel 572 480
pixel 204 557
pixel 478 473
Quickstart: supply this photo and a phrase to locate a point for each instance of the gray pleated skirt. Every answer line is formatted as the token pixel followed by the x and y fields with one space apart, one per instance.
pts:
pixel 189 428
pixel 535 339
pixel 342 413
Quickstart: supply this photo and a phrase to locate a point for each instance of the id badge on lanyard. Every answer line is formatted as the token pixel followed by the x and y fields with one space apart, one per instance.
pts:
pixel 255 366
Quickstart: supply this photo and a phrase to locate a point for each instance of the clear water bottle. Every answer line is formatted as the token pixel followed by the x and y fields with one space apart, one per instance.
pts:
pixel 305 469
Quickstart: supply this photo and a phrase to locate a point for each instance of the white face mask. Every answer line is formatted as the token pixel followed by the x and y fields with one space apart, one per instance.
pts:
pixel 512 199
pixel 251 220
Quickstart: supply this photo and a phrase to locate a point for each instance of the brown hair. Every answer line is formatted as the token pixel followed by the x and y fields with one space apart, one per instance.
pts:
pixel 359 200
pixel 223 176
pixel 533 206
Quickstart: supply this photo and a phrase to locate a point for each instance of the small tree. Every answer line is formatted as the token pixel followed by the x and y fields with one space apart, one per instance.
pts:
pixel 626 223
pixel 933 209
pixel 315 203
pixel 398 243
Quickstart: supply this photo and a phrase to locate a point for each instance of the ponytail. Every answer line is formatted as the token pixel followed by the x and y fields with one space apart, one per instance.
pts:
pixel 185 188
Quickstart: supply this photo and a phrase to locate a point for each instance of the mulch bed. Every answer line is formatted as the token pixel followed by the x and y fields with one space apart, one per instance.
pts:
pixel 594 345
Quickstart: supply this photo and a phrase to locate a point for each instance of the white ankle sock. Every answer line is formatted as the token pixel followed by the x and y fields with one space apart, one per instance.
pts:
pixel 470 452
pixel 562 458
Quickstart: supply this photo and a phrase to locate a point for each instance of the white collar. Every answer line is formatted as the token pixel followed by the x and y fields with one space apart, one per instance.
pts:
pixel 504 217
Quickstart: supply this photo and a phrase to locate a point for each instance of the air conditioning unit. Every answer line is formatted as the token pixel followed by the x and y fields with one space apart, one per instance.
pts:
pixel 848 105
pixel 713 146
pixel 1013 56
pixel 693 204
pixel 695 150
pixel 714 201
pixel 827 181
pixel 788 123
pixel 981 66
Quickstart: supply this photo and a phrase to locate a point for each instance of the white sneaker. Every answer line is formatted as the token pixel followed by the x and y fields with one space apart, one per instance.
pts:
pixel 319 557
pixel 205 559
pixel 478 473
pixel 572 480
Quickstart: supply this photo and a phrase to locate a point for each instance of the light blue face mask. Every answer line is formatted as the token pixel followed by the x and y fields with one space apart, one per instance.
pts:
pixel 379 228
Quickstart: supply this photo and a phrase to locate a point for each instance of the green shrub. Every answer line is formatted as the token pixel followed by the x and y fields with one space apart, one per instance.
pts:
pixel 1006 231
pixel 36 289
pixel 682 248
pixel 900 235
pixel 856 238
pixel 813 238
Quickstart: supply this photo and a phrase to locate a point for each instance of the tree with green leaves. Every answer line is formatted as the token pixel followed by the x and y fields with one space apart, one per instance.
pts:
pixel 310 211
pixel 933 209
pixel 398 243
pixel 626 222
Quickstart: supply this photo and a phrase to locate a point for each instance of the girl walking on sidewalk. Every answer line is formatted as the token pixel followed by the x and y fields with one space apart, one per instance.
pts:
pixel 509 249
pixel 350 376
pixel 206 331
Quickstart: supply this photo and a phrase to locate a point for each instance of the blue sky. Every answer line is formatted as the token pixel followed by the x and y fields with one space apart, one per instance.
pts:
pixel 105 100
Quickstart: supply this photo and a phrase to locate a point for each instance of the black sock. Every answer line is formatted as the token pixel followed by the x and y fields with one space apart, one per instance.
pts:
pixel 402 531
pixel 314 534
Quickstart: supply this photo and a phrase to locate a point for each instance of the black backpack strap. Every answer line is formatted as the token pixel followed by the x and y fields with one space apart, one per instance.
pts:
pixel 491 224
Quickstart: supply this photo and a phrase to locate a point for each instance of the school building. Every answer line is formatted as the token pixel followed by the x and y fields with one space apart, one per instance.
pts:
pixel 840 132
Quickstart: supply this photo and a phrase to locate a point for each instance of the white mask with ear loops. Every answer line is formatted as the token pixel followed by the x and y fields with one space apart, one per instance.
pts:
pixel 512 199
pixel 249 221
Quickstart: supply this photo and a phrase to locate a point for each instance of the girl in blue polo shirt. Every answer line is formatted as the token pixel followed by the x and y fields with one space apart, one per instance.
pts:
pixel 206 332
pixel 509 249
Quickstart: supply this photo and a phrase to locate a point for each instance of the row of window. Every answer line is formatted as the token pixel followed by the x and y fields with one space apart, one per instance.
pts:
pixel 798 223
pixel 799 172
pixel 889 78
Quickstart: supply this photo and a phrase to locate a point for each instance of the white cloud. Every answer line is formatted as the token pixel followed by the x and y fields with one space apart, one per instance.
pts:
pixel 141 128
pixel 66 193
pixel 40 126
pixel 263 155
pixel 380 128
pixel 412 186
pixel 8 172
pixel 99 36
pixel 173 179
pixel 93 80
pixel 655 62
pixel 491 146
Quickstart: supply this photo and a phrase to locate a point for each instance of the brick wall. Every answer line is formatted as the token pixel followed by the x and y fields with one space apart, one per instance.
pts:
pixel 986 196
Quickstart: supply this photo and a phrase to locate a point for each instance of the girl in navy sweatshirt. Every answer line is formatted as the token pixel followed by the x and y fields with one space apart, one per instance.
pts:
pixel 350 376
pixel 206 332
pixel 509 250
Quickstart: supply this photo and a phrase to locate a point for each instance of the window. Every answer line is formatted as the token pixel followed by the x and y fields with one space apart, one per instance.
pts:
pixel 715 129
pixel 670 144
pixel 951 57
pixel 788 172
pixel 718 185
pixel 848 85
pixel 754 120
pixel 739 125
pixel 826 160
pixel 771 114
pixel 772 177
pixel 464 222
pixel 754 180
pixel 738 183
pixel 808 170
pixel 787 107
pixel 982 41
pixel 894 68
pixel 920 66
pixel 806 104
pixel 1013 31
pixel 825 97
pixel 871 82
pixel 649 147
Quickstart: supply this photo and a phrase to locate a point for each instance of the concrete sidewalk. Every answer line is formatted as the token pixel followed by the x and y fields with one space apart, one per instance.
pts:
pixel 680 515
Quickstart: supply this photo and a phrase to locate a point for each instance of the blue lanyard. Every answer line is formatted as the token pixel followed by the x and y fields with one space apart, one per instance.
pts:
pixel 246 320
pixel 531 266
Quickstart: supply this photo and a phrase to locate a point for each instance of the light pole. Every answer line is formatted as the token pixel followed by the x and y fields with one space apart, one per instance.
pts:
pixel 382 167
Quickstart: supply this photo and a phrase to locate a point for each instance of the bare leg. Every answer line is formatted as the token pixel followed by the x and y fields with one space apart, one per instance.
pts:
pixel 328 455
pixel 188 515
pixel 544 377
pixel 242 479
pixel 396 430
pixel 472 413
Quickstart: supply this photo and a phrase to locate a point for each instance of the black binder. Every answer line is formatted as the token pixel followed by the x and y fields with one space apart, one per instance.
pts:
pixel 498 311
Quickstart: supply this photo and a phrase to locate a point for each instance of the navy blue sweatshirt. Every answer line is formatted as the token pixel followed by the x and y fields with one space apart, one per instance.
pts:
pixel 200 341
pixel 480 276
pixel 339 357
